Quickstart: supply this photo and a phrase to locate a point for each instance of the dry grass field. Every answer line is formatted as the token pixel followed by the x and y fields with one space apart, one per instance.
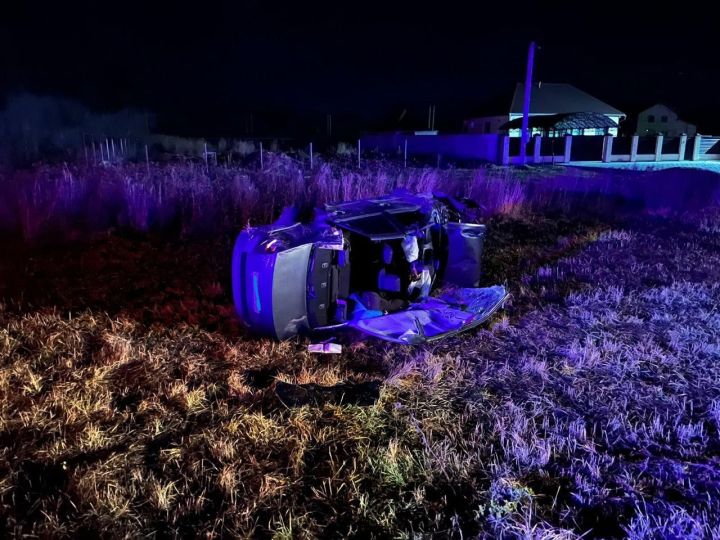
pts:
pixel 133 404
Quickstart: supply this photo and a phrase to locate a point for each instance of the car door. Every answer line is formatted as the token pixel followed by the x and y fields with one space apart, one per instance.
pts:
pixel 464 253
pixel 435 317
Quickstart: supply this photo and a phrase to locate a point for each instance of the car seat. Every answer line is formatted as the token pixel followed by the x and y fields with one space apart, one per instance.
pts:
pixel 388 281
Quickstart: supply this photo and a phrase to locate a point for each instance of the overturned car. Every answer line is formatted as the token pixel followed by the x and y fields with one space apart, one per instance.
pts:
pixel 402 268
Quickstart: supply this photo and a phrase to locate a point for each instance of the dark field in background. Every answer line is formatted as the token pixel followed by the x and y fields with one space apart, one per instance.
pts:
pixel 133 403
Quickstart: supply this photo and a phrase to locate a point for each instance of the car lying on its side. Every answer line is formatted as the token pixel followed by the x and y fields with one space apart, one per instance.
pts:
pixel 402 268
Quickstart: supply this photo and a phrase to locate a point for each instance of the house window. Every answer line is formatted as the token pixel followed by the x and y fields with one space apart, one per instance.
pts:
pixel 651 119
pixel 663 118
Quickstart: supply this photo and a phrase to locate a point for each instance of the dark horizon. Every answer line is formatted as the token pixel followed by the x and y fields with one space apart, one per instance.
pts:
pixel 215 70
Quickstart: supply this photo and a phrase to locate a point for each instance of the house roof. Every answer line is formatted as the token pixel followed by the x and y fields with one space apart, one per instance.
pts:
pixel 560 122
pixel 658 105
pixel 558 98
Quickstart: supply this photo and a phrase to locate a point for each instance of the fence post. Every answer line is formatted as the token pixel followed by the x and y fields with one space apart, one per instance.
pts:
pixel 682 147
pixel 147 159
pixel 696 147
pixel 607 148
pixel 568 149
pixel 358 152
pixel 658 148
pixel 505 158
pixel 634 147
pixel 311 156
pixel 261 156
pixel 537 141
pixel 405 154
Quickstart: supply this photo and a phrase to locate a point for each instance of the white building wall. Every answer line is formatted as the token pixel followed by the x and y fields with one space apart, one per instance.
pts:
pixel 660 119
pixel 485 124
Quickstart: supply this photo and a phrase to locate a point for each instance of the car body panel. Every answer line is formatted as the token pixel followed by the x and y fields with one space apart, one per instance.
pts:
pixel 435 318
pixel 380 218
pixel 464 258
pixel 289 293
pixel 269 288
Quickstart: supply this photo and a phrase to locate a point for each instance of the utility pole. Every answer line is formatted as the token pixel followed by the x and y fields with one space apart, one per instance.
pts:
pixel 431 117
pixel 526 103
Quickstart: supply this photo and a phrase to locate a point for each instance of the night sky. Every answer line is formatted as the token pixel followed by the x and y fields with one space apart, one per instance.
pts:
pixel 203 68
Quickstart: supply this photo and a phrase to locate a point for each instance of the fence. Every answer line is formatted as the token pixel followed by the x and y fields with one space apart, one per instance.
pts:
pixel 505 150
pixel 435 150
pixel 460 147
pixel 613 149
pixel 698 148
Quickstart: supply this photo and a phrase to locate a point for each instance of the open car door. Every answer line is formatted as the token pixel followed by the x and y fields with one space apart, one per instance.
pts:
pixel 435 317
pixel 464 253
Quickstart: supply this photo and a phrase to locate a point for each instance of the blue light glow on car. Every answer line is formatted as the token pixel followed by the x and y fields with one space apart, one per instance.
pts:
pixel 257 307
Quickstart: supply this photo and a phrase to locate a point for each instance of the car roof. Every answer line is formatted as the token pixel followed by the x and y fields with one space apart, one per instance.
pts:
pixel 379 218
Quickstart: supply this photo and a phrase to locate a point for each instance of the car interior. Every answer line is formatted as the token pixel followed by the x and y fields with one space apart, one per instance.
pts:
pixel 379 267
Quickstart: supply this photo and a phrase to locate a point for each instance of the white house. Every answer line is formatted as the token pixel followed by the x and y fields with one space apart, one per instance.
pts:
pixel 486 124
pixel 662 120
pixel 551 104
